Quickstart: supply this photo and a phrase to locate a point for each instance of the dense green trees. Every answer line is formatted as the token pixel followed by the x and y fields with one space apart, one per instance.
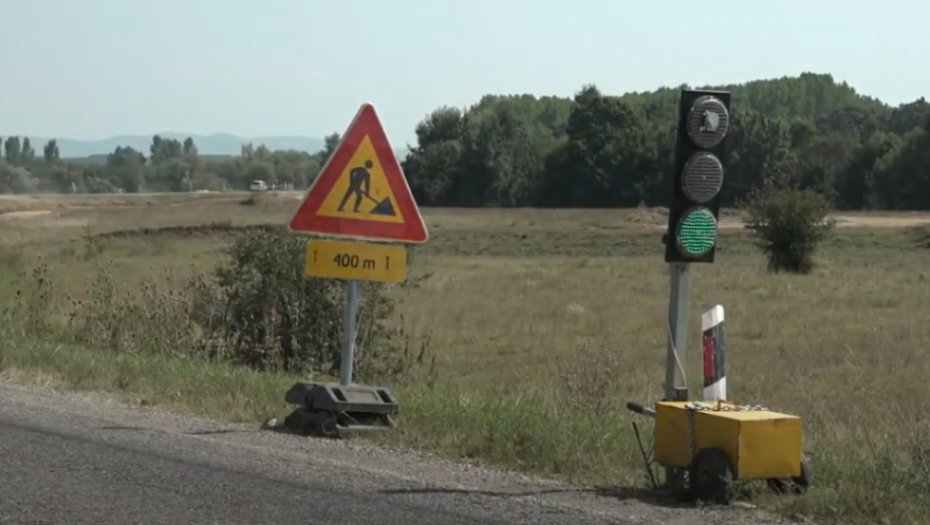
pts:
pixel 599 150
pixel 594 150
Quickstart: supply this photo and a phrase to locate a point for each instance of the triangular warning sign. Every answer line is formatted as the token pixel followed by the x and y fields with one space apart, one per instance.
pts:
pixel 361 193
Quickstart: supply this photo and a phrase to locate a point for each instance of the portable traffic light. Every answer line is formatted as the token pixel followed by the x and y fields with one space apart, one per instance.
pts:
pixel 700 153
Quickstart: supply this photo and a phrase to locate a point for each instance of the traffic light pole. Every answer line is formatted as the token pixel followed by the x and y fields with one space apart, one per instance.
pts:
pixel 675 387
pixel 679 299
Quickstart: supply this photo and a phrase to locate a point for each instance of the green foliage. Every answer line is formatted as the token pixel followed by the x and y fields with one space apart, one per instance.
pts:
pixel 789 224
pixel 593 150
pixel 50 152
pixel 257 310
pixel 616 151
pixel 14 179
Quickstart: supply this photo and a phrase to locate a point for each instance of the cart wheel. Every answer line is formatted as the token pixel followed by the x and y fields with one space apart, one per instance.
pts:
pixel 797 485
pixel 711 476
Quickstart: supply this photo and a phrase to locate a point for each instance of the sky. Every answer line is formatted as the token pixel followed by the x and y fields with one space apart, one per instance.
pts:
pixel 91 69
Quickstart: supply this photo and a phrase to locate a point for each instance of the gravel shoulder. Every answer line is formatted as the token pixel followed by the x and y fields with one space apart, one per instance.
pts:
pixel 67 443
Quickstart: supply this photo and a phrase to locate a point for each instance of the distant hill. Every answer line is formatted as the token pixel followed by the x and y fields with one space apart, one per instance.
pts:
pixel 216 145
pixel 100 160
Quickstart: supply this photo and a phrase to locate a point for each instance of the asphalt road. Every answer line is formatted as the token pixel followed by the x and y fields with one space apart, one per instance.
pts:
pixel 68 458
pixel 58 468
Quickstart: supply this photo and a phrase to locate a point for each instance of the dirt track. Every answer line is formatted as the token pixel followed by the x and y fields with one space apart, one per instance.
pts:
pixel 24 207
pixel 24 214
pixel 901 220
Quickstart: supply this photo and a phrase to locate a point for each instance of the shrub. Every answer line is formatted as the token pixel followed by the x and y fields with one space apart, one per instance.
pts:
pixel 259 309
pixel 789 223
pixel 256 309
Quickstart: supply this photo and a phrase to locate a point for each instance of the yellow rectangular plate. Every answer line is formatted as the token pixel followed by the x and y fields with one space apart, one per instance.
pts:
pixel 356 260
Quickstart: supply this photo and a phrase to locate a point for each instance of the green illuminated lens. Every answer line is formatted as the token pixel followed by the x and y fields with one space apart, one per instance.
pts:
pixel 697 232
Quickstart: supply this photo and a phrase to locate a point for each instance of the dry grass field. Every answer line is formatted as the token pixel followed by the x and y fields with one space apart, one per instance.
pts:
pixel 543 324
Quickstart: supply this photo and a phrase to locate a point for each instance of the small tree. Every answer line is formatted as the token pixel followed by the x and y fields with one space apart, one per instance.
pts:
pixel 15 179
pixel 789 223
pixel 259 309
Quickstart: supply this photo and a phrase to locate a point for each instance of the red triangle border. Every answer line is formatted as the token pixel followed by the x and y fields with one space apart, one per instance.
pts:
pixel 306 220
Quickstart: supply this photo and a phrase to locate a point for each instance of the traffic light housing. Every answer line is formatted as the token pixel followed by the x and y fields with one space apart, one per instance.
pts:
pixel 700 160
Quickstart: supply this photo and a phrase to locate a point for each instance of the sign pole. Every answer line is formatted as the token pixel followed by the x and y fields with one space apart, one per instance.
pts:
pixel 349 331
pixel 675 387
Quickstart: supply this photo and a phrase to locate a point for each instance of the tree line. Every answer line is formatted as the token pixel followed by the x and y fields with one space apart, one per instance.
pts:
pixel 170 165
pixel 592 150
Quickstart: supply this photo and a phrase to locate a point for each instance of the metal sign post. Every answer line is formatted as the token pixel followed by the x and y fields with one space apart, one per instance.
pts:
pixel 350 333
pixel 676 388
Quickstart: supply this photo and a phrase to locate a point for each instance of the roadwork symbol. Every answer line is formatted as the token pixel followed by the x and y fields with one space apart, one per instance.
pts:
pixel 361 192
pixel 359 185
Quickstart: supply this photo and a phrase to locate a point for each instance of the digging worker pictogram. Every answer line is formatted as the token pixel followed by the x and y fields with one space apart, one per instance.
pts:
pixel 359 185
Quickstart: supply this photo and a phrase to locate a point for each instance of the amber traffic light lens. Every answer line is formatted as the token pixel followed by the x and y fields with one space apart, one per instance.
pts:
pixel 708 122
pixel 702 177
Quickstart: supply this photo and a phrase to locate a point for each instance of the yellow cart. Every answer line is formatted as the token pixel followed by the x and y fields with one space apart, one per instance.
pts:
pixel 717 443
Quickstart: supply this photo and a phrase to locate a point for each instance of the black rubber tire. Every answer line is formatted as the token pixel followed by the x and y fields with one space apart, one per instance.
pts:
pixel 798 485
pixel 711 476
